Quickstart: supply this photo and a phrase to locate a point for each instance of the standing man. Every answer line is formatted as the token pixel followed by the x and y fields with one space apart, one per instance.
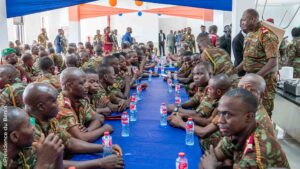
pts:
pixel 60 42
pixel 127 37
pixel 189 38
pixel 161 42
pixel 114 37
pixel 260 54
pixel 225 40
pixel 98 38
pixel 238 49
pixel 294 52
pixel 43 38
pixel 178 39
pixel 203 32
pixel 171 42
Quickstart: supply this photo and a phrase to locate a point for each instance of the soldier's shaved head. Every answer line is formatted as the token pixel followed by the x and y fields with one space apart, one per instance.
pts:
pixel 72 60
pixel 8 74
pixel 15 117
pixel 221 81
pixel 252 13
pixel 256 80
pixel 70 74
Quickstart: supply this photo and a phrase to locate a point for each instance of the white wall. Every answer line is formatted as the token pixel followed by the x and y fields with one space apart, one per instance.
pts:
pixel 89 26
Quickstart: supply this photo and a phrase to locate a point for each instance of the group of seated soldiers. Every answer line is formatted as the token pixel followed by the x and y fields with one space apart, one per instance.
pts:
pixel 69 97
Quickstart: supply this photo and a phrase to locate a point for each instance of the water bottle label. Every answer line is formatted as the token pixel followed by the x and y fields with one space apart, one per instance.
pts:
pixel 133 99
pixel 177 100
pixel 125 120
pixel 106 142
pixel 189 126
pixel 132 107
pixel 135 69
pixel 182 165
pixel 139 88
pixel 177 87
pixel 169 81
pixel 164 111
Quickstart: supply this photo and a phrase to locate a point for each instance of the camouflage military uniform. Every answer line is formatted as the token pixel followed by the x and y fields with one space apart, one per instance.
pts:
pixel 261 150
pixel 98 39
pixel 206 109
pixel 190 40
pixel 11 95
pixel 184 69
pixel 221 63
pixel 264 119
pixel 199 95
pixel 100 99
pixel 42 39
pixel 57 60
pixel 92 63
pixel 70 115
pixel 294 56
pixel 26 159
pixel 259 47
pixel 36 65
pixel 118 85
pixel 50 79
pixel 30 73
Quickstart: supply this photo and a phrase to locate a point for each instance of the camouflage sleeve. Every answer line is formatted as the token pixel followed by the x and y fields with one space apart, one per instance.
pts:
pixel 4 98
pixel 87 111
pixel 101 99
pixel 30 155
pixel 270 43
pixel 226 148
pixel 291 52
pixel 67 120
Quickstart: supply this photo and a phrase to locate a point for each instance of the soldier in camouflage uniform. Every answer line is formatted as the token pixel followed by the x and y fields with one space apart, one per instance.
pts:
pixel 57 60
pixel 9 57
pixel 75 110
pixel 94 62
pixel 43 38
pixel 189 39
pixel 98 38
pixel 45 124
pixel 294 52
pixel 261 54
pixel 11 89
pixel 20 154
pixel 255 147
pixel 47 73
pixel 30 72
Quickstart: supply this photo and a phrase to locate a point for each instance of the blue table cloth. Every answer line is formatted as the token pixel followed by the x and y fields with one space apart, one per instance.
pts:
pixel 151 146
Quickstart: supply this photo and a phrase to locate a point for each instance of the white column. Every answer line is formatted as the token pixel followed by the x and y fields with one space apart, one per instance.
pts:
pixel 3 25
pixel 74 24
pixel 219 21
pixel 238 8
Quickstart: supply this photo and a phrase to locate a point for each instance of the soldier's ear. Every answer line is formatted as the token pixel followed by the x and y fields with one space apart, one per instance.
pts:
pixel 14 136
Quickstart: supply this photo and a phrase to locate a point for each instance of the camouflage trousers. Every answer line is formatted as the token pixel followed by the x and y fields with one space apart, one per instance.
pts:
pixel 270 91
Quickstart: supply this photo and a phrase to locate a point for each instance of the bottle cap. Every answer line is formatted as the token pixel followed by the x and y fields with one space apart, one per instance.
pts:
pixel 163 103
pixel 181 154
pixel 190 119
pixel 125 112
pixel 106 133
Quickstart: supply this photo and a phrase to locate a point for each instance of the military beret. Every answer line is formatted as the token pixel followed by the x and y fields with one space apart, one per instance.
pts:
pixel 8 51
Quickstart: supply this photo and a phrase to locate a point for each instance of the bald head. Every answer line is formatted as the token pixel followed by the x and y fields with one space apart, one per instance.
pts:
pixel 37 90
pixel 70 74
pixel 254 80
pixel 221 81
pixel 15 117
pixel 8 69
pixel 72 60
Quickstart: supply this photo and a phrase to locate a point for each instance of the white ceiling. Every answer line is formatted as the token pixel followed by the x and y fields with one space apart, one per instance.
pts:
pixel 279 2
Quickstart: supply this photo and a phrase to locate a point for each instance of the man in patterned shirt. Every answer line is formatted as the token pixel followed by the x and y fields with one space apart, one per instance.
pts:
pixel 245 141
pixel 41 105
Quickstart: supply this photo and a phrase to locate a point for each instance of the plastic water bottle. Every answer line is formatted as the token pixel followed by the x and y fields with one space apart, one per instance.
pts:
pixel 125 124
pixel 177 100
pixel 162 68
pixel 150 76
pixel 181 161
pixel 134 99
pixel 163 113
pixel 189 128
pixel 139 91
pixel 169 85
pixel 132 114
pixel 175 77
pixel 169 74
pixel 177 88
pixel 156 69
pixel 107 144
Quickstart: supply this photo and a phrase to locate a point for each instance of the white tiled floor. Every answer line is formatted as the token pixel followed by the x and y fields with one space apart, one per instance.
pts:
pixel 292 151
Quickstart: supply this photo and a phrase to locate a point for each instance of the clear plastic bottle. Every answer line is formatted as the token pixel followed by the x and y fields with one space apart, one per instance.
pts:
pixel 175 77
pixel 132 113
pixel 177 100
pixel 169 85
pixel 150 76
pixel 181 161
pixel 163 113
pixel 169 74
pixel 156 69
pixel 125 124
pixel 189 128
pixel 134 99
pixel 177 88
pixel 162 69
pixel 107 144
pixel 139 91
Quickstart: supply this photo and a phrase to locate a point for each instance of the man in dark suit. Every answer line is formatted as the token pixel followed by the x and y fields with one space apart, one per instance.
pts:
pixel 161 43
pixel 225 40
pixel 238 49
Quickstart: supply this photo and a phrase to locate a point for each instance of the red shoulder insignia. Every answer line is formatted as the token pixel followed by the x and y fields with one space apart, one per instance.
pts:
pixel 264 30
pixel 67 102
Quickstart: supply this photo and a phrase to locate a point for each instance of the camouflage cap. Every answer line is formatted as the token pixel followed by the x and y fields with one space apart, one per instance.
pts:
pixel 8 51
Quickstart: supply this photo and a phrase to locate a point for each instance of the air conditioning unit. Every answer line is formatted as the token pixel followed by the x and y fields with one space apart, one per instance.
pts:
pixel 18 20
